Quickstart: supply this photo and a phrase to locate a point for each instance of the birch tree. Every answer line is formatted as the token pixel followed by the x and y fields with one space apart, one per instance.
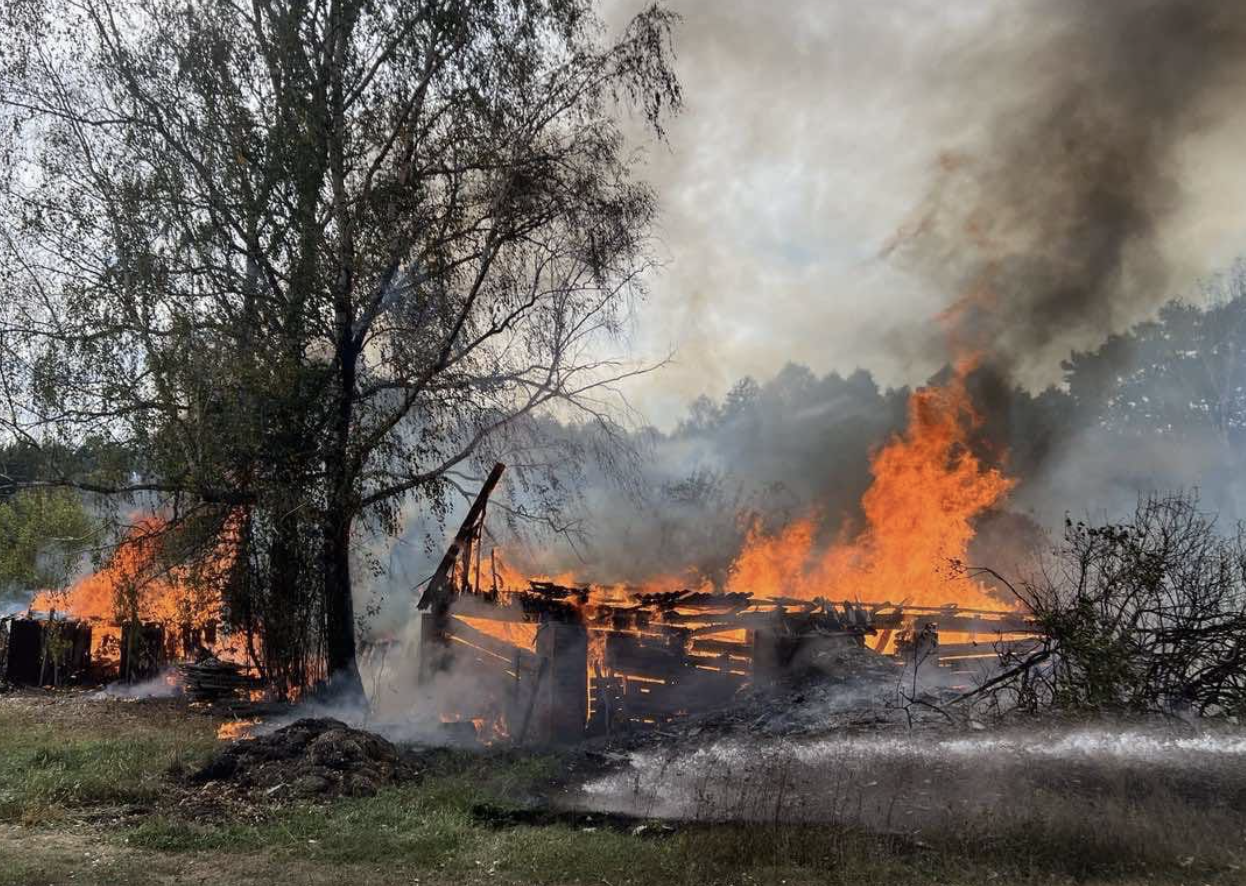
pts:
pixel 311 258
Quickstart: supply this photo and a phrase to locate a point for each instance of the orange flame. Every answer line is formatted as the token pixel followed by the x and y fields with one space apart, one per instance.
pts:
pixel 233 730
pixel 928 488
pixel 136 585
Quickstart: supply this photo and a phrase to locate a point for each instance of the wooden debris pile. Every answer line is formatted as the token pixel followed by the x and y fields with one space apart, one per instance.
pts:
pixel 214 681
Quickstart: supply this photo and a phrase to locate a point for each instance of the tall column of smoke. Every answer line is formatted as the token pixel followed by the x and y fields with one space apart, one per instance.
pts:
pixel 1055 219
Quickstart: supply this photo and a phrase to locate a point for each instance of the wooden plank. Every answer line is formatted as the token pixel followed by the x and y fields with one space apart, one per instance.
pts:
pixel 722 647
pixel 631 653
pixel 505 652
pixel 477 607
pixel 699 692
pixel 562 712
pixel 973 625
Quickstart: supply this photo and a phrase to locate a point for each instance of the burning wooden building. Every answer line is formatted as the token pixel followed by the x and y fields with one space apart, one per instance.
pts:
pixel 553 661
pixel 130 620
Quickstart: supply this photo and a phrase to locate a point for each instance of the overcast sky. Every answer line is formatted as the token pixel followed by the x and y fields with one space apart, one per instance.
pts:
pixel 812 135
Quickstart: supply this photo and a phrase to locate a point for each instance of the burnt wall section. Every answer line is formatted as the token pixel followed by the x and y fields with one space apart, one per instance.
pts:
pixel 44 653
pixel 143 653
pixel 561 709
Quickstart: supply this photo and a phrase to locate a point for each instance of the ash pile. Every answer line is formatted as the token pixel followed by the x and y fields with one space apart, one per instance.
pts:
pixel 310 758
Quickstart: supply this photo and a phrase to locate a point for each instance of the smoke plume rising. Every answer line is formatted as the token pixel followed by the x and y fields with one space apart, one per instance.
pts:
pixel 1083 153
pixel 1042 168
pixel 1051 227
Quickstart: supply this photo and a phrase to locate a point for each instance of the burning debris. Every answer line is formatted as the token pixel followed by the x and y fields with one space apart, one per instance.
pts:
pixel 558 662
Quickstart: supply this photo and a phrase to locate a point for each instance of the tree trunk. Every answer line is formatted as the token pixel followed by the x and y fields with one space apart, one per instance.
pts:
pixel 284 618
pixel 344 680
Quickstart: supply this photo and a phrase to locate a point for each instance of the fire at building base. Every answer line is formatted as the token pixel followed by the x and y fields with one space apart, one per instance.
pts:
pixel 552 662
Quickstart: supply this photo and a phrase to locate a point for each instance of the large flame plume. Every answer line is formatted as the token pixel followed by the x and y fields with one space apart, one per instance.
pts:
pixel 139 585
pixel 136 584
pixel 928 488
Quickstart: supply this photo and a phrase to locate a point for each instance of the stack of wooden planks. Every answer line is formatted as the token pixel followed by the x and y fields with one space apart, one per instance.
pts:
pixel 214 681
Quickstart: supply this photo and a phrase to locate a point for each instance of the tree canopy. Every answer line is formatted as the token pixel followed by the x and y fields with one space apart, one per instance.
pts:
pixel 310 258
pixel 43 536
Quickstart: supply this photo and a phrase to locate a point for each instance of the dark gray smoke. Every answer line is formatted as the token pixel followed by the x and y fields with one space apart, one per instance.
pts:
pixel 1052 224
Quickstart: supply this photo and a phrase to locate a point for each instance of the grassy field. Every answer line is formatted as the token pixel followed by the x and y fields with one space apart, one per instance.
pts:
pixel 85 797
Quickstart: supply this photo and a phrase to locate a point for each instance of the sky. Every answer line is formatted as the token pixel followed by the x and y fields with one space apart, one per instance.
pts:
pixel 816 133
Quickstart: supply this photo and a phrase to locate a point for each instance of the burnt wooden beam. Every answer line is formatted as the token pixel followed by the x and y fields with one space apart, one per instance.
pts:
pixel 976 625
pixel 477 607
pixel 722 647
pixel 440 586
pixel 507 653
pixel 984 647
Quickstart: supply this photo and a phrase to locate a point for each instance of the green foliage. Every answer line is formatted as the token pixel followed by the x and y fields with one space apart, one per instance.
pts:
pixel 43 533
pixel 1181 374
pixel 1144 616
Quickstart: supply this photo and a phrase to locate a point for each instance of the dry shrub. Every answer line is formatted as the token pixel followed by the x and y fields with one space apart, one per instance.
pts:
pixel 1143 616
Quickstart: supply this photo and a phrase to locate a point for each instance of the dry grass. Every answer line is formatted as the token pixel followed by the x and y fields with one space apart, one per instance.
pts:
pixel 63 755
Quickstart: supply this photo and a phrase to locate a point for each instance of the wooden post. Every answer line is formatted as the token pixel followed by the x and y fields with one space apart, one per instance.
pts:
pixel 562 704
pixel 433 650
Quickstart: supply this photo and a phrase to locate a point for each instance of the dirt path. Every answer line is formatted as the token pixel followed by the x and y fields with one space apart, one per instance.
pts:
pixel 76 856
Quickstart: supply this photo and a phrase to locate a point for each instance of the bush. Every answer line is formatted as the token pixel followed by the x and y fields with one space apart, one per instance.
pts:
pixel 1144 616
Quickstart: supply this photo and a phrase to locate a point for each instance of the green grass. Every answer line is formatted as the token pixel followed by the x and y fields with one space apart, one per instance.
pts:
pixel 48 770
pixel 429 826
pixel 57 776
